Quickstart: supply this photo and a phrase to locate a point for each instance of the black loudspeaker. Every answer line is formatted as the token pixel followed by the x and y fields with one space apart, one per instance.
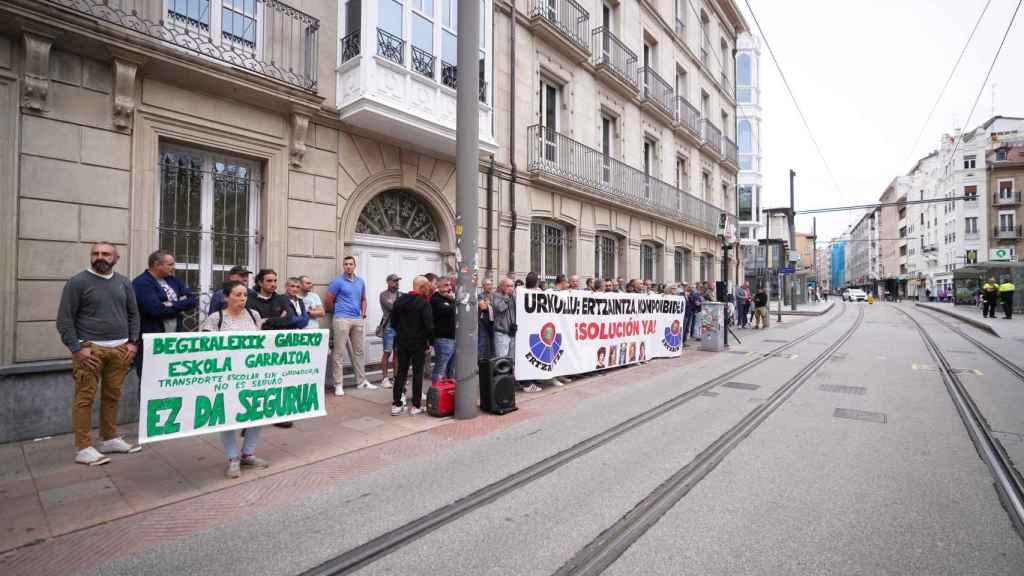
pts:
pixel 497 386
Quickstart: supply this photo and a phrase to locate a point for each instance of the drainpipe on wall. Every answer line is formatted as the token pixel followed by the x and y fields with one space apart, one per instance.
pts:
pixel 512 145
pixel 490 214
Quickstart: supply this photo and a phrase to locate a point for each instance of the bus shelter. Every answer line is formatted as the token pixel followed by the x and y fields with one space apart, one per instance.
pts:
pixel 967 282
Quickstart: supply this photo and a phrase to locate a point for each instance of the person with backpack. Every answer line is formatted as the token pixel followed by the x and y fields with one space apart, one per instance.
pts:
pixel 237 316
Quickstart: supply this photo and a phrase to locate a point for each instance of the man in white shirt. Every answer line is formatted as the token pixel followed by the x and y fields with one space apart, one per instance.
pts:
pixel 314 305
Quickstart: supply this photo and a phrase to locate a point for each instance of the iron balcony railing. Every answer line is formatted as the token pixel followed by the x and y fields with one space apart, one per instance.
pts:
pixel 350 46
pixel 656 90
pixel 610 52
pixel 688 115
pixel 1007 232
pixel 1001 199
pixel 555 154
pixel 729 150
pixel 566 16
pixel 267 37
pixel 390 47
pixel 450 78
pixel 712 136
pixel 423 62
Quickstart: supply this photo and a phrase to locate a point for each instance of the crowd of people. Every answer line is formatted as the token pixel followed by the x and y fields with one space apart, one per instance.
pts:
pixel 103 315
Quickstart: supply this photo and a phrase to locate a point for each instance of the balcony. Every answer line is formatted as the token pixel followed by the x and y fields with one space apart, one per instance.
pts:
pixel 712 138
pixel 1007 233
pixel 555 157
pixel 614 62
pixel 388 86
pixel 687 119
pixel 656 93
pixel 565 24
pixel 271 38
pixel 730 152
pixel 1006 199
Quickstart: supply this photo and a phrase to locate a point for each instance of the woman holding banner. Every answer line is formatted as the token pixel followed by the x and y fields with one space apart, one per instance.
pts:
pixel 236 317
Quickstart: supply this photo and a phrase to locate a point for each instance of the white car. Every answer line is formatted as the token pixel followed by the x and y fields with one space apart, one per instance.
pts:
pixel 854 295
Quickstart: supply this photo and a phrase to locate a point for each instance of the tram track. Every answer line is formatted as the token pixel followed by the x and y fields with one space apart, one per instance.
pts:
pixel 389 542
pixel 603 551
pixel 1008 482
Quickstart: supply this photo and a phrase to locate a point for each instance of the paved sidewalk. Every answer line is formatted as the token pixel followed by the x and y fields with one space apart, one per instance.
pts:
pixel 1012 328
pixel 55 513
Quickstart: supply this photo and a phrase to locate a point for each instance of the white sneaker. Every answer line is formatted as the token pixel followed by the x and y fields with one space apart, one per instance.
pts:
pixel 91 457
pixel 339 390
pixel 415 410
pixel 386 383
pixel 118 446
pixel 532 388
pixel 396 410
pixel 366 385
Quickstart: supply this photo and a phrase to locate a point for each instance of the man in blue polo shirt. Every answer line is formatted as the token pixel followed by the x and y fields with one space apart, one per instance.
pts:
pixel 346 297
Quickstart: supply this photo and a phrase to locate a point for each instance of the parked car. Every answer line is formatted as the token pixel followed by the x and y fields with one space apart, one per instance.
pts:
pixel 854 295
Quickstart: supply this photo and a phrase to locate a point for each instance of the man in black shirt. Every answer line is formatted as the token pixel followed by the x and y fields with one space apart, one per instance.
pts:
pixel 443 305
pixel 413 321
pixel 274 308
pixel 760 309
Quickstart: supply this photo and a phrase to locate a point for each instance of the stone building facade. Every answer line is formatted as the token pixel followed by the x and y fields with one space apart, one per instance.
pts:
pixel 1005 167
pixel 288 135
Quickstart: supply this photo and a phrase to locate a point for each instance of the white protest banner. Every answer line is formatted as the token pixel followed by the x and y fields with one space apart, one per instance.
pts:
pixel 202 382
pixel 573 331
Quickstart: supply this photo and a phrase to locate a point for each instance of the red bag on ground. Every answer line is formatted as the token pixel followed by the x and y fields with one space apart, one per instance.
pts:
pixel 441 398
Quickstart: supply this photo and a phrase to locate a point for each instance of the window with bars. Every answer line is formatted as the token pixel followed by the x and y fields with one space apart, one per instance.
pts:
pixel 548 246
pixel 606 251
pixel 649 261
pixel 207 214
pixel 234 20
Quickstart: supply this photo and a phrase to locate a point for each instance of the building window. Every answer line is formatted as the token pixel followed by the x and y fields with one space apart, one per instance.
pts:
pixel 681 82
pixel 744 79
pixel 550 100
pixel 970 161
pixel 971 192
pixel 745 142
pixel 682 173
pixel 547 249
pixel 1006 221
pixel 705 186
pixel 607 147
pixel 680 17
pixel 705 39
pixel 650 164
pixel 745 203
pixel 971 225
pixel 234 20
pixel 207 212
pixel 1001 155
pixel 649 253
pixel 606 250
pixel 707 266
pixel 1006 189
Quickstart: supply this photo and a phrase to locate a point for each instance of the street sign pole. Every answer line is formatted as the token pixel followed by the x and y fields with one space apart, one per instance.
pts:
pixel 467 209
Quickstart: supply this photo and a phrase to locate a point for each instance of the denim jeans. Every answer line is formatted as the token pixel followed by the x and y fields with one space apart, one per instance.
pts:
pixel 444 359
pixel 227 438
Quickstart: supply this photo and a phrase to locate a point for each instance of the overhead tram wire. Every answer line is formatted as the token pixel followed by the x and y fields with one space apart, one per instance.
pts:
pixel 885 204
pixel 949 78
pixel 792 97
pixel 988 74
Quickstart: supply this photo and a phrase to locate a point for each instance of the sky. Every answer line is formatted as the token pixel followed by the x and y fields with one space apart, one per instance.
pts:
pixel 866 74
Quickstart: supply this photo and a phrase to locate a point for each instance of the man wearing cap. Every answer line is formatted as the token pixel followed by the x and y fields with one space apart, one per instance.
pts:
pixel 238 274
pixel 386 331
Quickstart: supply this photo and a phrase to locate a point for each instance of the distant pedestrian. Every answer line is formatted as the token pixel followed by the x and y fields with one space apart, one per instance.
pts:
pixel 346 299
pixel 314 305
pixel 743 305
pixel 694 304
pixel 236 316
pixel 385 331
pixel 98 321
pixel 413 321
pixel 989 298
pixel 1006 290
pixel 163 299
pixel 236 274
pixel 760 309
pixel 442 304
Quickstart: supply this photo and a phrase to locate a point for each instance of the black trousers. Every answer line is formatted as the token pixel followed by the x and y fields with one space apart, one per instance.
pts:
pixel 988 309
pixel 1007 304
pixel 407 357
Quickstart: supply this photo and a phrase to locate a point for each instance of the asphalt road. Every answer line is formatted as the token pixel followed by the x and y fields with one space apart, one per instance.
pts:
pixel 805 493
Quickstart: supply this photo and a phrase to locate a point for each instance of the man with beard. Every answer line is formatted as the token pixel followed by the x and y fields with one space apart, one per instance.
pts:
pixel 98 321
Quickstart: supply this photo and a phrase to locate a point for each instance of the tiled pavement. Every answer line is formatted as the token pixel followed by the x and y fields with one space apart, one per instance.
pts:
pixel 59 517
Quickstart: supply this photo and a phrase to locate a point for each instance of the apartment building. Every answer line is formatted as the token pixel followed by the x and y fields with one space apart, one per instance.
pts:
pixel 862 253
pixel 1005 175
pixel 891 246
pixel 288 134
pixel 748 138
